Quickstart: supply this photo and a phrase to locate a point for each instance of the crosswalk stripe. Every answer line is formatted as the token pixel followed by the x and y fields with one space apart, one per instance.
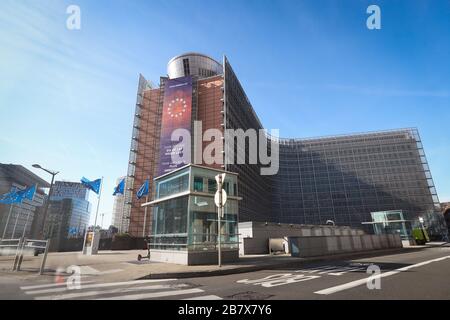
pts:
pixel 109 271
pixel 153 295
pixel 97 293
pixel 49 285
pixel 209 297
pixel 99 285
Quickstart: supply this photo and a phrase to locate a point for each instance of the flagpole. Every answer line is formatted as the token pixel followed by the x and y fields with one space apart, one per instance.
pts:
pixel 98 203
pixel 7 221
pixel 145 218
pixel 145 211
pixel 29 211
pixel 123 204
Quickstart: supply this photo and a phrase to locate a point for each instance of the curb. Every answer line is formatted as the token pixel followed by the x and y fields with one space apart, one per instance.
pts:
pixel 285 264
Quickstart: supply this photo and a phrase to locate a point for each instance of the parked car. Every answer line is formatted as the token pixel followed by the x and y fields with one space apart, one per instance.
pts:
pixel 37 251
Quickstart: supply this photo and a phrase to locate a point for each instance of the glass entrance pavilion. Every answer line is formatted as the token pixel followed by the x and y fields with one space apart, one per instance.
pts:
pixel 185 220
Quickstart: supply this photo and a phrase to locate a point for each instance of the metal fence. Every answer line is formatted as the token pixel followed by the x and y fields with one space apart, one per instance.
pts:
pixel 21 245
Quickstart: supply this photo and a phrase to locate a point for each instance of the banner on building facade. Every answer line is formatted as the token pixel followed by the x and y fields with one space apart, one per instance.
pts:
pixel 177 110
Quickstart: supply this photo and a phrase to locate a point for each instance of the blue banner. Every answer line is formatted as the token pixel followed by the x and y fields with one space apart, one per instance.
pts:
pixel 143 190
pixel 92 185
pixel 17 195
pixel 120 188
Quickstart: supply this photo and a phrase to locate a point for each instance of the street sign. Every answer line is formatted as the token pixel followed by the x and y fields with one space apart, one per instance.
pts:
pixel 220 178
pixel 217 198
pixel 220 198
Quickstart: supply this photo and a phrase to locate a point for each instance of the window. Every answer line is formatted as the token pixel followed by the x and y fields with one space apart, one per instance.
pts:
pixel 186 67
pixel 173 185
pixel 198 184
pixel 212 186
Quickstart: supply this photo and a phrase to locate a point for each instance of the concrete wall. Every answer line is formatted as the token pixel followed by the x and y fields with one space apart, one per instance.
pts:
pixel 319 246
pixel 254 236
pixel 192 257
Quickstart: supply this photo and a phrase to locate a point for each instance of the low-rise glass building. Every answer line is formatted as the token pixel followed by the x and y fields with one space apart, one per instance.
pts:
pixel 185 218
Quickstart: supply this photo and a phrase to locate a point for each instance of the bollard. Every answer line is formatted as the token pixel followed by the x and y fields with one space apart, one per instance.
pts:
pixel 44 258
pixel 16 258
pixel 19 263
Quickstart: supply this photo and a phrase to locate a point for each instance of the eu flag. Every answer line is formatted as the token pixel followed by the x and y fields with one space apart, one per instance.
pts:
pixel 27 193
pixel 92 185
pixel 17 196
pixel 120 188
pixel 10 197
pixel 143 190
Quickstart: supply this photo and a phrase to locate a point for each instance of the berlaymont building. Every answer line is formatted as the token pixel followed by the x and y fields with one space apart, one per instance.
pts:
pixel 357 180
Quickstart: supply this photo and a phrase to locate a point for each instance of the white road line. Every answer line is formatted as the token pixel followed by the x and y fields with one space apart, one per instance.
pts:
pixel 100 285
pixel 119 290
pixel 50 285
pixel 328 269
pixel 210 297
pixel 341 271
pixel 109 271
pixel 360 282
pixel 153 295
pixel 315 270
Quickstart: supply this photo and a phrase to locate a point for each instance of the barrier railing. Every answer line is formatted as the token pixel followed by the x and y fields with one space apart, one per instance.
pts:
pixel 22 245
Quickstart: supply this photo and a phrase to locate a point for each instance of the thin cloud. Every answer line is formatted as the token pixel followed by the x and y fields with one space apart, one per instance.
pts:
pixel 373 91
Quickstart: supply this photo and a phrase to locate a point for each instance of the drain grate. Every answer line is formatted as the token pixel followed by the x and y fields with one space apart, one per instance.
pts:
pixel 249 295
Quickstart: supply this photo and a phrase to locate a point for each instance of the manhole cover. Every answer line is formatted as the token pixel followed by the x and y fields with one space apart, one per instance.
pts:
pixel 249 295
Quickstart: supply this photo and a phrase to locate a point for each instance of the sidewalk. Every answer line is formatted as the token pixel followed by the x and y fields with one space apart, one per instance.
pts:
pixel 123 265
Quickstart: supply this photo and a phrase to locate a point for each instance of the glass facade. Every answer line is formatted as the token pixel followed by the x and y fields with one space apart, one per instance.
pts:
pixel 391 222
pixel 185 215
pixel 69 211
pixel 68 218
pixel 345 178
pixel 255 189
pixel 341 178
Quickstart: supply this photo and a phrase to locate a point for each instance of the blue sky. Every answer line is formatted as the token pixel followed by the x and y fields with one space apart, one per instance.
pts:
pixel 310 68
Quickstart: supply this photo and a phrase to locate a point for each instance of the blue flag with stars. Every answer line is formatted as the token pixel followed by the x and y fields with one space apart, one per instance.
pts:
pixel 28 193
pixel 143 190
pixel 17 196
pixel 120 188
pixel 10 197
pixel 92 185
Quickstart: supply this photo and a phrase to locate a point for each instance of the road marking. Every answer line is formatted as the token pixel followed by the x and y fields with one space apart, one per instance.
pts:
pixel 360 282
pixel 210 297
pixel 109 271
pixel 278 280
pixel 99 285
pixel 328 269
pixel 119 290
pixel 153 295
pixel 344 270
pixel 86 270
pixel 331 270
pixel 322 268
pixel 50 285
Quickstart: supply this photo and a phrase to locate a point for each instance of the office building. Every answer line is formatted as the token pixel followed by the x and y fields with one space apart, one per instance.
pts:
pixel 338 179
pixel 69 212
pixel 18 220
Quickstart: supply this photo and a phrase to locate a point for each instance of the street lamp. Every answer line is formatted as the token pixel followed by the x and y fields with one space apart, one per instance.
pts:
pixel 53 174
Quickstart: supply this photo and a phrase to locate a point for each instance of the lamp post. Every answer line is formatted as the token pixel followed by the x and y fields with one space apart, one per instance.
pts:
pixel 103 215
pixel 53 174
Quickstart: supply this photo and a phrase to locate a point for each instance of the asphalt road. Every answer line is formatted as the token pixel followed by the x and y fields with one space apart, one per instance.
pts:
pixel 423 274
